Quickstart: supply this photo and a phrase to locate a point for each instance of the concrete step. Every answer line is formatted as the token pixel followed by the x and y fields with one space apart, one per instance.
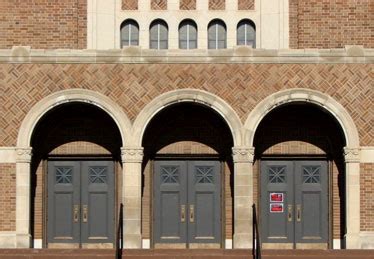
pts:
pixel 183 254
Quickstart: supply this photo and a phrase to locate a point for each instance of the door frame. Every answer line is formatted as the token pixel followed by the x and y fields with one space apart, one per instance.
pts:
pixel 329 161
pixel 189 157
pixel 45 189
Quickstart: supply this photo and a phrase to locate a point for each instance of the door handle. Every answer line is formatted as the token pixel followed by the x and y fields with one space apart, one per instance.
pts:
pixel 183 213
pixel 85 213
pixel 192 213
pixel 289 213
pixel 76 213
pixel 298 213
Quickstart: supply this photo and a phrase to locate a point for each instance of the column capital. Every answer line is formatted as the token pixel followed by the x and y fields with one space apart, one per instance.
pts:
pixel 351 155
pixel 23 154
pixel 243 154
pixel 132 154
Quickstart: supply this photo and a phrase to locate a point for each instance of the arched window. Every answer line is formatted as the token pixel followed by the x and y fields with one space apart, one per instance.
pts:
pixel 187 35
pixel 216 35
pixel 158 33
pixel 246 33
pixel 129 33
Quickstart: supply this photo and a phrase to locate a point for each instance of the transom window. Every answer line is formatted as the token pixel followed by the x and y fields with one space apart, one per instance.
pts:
pixel 246 33
pixel 158 35
pixel 187 35
pixel 217 35
pixel 129 33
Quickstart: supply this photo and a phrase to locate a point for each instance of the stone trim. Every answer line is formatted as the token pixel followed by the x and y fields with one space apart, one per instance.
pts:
pixel 132 154
pixel 187 95
pixel 320 99
pixel 73 95
pixel 241 54
pixel 351 155
pixel 243 154
pixel 23 154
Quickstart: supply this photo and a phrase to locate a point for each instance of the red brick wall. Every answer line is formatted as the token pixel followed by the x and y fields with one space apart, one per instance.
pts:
pixel 43 24
pixel 7 197
pixel 366 194
pixel 331 23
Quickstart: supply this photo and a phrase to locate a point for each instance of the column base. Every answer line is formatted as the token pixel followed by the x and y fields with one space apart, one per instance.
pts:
pixel 132 241
pixel 23 241
pixel 243 241
pixel 352 241
pixel 8 240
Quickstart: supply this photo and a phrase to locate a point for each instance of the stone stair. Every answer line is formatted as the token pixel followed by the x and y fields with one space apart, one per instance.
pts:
pixel 182 254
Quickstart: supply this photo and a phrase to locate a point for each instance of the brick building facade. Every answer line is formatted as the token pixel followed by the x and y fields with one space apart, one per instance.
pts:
pixel 148 87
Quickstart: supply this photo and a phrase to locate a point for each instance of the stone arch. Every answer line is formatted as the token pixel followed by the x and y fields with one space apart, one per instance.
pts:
pixel 307 96
pixel 67 96
pixel 187 95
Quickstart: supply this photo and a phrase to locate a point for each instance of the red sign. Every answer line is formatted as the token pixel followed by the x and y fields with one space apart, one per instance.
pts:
pixel 276 207
pixel 276 197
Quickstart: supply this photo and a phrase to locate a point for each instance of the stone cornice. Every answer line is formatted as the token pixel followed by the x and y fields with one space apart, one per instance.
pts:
pixel 242 54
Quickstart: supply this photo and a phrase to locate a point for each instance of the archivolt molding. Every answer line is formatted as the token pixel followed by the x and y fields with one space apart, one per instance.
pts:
pixel 187 95
pixel 306 96
pixel 67 96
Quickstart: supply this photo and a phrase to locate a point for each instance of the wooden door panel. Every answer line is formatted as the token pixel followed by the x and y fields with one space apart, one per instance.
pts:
pixel 97 192
pixel 63 202
pixel 204 186
pixel 170 201
pixel 277 224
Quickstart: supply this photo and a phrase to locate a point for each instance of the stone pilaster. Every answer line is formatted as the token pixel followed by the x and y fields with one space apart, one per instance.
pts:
pixel 132 158
pixel 243 196
pixel 352 174
pixel 23 160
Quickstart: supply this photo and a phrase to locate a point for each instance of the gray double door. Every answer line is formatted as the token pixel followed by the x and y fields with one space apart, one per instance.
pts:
pixel 80 203
pixel 187 204
pixel 294 204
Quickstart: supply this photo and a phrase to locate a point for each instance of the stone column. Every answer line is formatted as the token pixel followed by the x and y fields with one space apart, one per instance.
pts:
pixel 132 158
pixel 23 160
pixel 352 179
pixel 243 196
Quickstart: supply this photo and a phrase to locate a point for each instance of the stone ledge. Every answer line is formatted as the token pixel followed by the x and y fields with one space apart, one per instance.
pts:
pixel 241 54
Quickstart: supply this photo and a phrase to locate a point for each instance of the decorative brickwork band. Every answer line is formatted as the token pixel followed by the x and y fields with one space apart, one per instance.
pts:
pixel 246 4
pixel 217 4
pixel 159 4
pixel 132 154
pixel 129 4
pixel 243 154
pixel 352 155
pixel 187 4
pixel 23 155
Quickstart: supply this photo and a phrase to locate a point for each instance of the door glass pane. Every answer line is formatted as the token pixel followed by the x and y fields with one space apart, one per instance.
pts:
pixel 204 174
pixel 311 174
pixel 97 174
pixel 277 174
pixel 64 175
pixel 169 174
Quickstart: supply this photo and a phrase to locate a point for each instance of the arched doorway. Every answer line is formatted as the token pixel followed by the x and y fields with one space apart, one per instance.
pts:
pixel 300 175
pixel 187 178
pixel 75 171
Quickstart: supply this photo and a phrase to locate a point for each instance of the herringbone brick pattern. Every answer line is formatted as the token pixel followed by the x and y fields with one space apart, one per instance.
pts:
pixel 187 4
pixel 367 192
pixel 217 4
pixel 246 4
pixel 129 4
pixel 8 197
pixel 132 86
pixel 159 4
